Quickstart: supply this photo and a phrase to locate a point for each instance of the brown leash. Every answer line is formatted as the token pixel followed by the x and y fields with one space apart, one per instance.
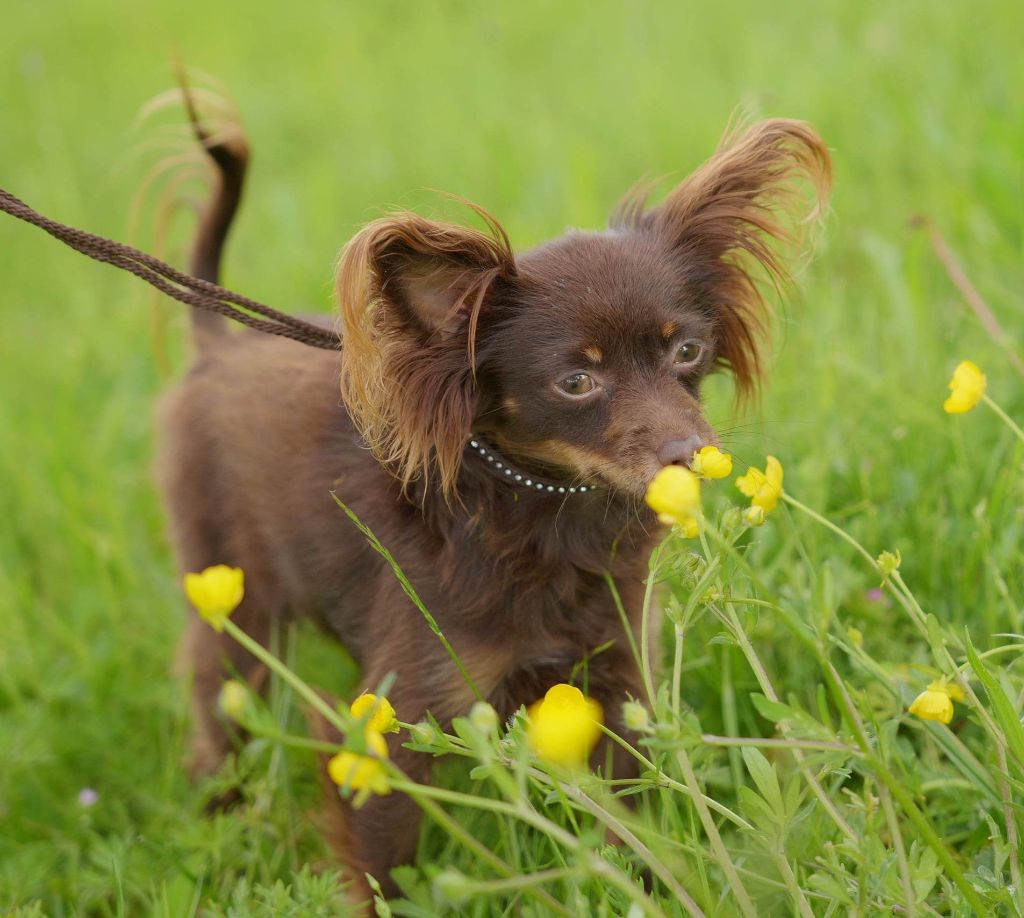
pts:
pixel 195 292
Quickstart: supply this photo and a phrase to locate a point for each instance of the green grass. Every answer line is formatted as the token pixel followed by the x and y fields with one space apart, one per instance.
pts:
pixel 544 114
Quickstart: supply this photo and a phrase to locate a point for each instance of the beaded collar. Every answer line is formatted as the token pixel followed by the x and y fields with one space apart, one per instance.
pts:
pixel 501 468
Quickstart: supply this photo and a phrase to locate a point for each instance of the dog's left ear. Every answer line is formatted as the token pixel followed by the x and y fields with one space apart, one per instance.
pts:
pixel 411 291
pixel 737 221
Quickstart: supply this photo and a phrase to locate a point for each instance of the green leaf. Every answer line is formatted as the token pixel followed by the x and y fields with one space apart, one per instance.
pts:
pixel 1004 709
pixel 763 773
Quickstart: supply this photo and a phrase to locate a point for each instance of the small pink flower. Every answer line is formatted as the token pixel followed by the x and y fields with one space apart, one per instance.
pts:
pixel 88 797
pixel 875 595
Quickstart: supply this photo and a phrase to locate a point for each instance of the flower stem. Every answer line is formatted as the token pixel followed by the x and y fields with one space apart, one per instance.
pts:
pixel 596 864
pixel 266 657
pixel 1007 420
pixel 711 830
pixel 910 605
pixel 645 626
pixel 868 756
pixel 828 524
pixel 731 620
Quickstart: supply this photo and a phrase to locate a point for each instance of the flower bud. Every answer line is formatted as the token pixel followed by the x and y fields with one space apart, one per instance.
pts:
pixel 424 733
pixel 888 563
pixel 754 515
pixel 453 885
pixel 732 519
pixel 635 716
pixel 483 717
pixel 233 699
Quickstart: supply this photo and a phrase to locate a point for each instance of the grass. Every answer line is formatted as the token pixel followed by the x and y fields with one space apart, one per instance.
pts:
pixel 544 115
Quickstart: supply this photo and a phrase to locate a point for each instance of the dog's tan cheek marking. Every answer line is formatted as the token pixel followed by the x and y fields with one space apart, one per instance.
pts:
pixel 669 329
pixel 589 462
pixel 593 353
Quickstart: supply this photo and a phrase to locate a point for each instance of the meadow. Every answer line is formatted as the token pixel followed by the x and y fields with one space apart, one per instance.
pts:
pixel 787 671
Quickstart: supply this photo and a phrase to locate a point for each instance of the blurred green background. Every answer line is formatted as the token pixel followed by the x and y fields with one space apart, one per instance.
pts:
pixel 545 113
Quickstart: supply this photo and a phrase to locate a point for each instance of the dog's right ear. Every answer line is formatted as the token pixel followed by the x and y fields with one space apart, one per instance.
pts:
pixel 411 291
pixel 736 223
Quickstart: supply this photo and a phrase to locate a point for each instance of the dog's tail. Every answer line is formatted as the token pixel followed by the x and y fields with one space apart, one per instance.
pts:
pixel 228 152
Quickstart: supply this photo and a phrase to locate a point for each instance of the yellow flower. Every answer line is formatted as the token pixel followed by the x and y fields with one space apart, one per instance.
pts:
pixel 689 527
pixel 952 689
pixel 674 495
pixel 215 593
pixel 711 462
pixel 379 710
pixel 362 772
pixel 966 387
pixel 763 488
pixel 933 704
pixel 233 699
pixel 564 726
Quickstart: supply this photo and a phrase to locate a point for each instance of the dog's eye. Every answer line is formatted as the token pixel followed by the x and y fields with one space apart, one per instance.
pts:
pixel 687 353
pixel 577 384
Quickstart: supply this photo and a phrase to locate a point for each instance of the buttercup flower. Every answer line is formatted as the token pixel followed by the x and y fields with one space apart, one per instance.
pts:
pixel 953 690
pixel 233 699
pixel 966 388
pixel 564 725
pixel 763 488
pixel 381 713
pixel 933 703
pixel 674 495
pixel 689 527
pixel 215 593
pixel 362 772
pixel 711 462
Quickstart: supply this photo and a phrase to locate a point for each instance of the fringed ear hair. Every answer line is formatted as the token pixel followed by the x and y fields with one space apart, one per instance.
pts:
pixel 411 291
pixel 735 223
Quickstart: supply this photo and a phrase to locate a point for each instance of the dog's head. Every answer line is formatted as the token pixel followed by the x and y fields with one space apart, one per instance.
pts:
pixel 583 357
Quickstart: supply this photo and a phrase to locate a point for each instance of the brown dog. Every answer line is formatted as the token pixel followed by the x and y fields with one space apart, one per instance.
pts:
pixel 500 419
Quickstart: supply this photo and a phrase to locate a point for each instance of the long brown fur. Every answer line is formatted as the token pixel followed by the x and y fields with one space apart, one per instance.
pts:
pixel 422 430
pixel 446 332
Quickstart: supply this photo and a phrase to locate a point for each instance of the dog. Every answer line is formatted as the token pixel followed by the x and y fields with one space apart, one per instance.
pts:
pixel 495 418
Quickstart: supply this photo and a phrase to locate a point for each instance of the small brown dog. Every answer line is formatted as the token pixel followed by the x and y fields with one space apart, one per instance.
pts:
pixel 500 419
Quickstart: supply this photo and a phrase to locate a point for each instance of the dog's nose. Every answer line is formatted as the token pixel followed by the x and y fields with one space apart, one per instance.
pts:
pixel 679 452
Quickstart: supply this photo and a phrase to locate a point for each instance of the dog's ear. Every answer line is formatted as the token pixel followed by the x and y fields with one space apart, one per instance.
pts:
pixel 411 291
pixel 737 222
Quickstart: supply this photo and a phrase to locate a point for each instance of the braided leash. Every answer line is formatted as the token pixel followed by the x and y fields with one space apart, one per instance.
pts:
pixel 193 291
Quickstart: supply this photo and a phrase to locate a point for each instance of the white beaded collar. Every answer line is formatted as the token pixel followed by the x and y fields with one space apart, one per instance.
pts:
pixel 500 467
